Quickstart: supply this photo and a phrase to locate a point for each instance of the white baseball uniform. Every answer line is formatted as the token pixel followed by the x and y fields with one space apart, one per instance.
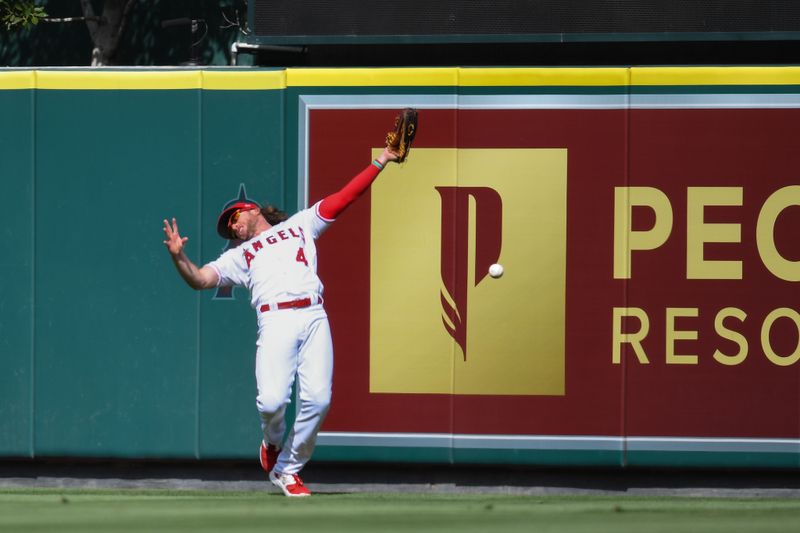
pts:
pixel 279 267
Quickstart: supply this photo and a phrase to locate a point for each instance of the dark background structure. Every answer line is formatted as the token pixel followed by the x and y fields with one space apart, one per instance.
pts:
pixel 325 33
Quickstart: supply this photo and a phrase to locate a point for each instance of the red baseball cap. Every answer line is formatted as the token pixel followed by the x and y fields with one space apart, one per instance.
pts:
pixel 222 224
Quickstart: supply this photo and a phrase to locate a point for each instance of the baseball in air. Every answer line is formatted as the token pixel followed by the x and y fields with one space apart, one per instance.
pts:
pixel 496 270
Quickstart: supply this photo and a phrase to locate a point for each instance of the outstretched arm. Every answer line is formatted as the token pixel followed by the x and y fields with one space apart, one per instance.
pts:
pixel 333 205
pixel 197 278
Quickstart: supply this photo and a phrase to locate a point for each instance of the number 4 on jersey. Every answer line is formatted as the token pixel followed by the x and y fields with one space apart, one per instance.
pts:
pixel 301 257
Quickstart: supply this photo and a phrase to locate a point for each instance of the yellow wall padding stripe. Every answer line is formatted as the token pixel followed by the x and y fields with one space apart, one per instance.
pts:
pixel 79 79
pixel 715 76
pixel 258 79
pixel 17 79
pixel 454 77
pixel 117 80
pixel 372 77
pixel 539 77
pixel 244 81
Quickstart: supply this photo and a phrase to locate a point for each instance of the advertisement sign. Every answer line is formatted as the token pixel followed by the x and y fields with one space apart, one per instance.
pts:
pixel 648 299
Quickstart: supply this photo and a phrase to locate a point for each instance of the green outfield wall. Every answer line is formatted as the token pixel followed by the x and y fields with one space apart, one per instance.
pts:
pixel 647 219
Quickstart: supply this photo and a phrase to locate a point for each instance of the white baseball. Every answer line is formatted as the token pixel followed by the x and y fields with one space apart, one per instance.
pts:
pixel 496 270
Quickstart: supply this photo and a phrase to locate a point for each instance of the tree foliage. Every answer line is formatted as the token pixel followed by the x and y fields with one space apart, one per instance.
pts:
pixel 123 32
pixel 20 13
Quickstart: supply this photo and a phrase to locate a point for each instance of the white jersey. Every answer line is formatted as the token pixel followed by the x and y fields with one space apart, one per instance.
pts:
pixel 279 264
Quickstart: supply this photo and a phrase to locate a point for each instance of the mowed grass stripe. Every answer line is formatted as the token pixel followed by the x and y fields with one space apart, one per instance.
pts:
pixel 201 511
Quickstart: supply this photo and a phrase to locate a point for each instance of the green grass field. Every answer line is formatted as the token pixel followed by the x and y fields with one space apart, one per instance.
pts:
pixel 55 510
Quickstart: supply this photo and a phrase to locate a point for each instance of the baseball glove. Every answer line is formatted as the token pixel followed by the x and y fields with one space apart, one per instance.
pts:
pixel 399 140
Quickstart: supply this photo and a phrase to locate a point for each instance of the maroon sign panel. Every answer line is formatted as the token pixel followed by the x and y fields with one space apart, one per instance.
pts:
pixel 682 254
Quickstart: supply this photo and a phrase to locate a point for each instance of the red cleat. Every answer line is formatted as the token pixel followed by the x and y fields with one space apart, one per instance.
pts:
pixel 268 455
pixel 290 484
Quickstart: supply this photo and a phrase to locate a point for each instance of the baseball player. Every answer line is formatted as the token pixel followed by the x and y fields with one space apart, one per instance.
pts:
pixel 277 262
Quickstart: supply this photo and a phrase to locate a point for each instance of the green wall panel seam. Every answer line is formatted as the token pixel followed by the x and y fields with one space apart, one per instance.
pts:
pixel 198 294
pixel 32 378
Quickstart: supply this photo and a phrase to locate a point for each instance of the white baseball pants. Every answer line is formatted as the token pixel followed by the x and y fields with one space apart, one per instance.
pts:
pixel 293 342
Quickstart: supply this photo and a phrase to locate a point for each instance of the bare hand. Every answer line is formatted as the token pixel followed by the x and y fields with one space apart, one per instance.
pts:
pixel 387 156
pixel 174 242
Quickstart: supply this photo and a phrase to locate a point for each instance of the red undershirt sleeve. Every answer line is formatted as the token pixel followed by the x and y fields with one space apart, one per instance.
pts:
pixel 333 205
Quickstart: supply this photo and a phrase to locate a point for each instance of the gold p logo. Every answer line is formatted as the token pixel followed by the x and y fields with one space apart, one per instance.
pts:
pixel 437 222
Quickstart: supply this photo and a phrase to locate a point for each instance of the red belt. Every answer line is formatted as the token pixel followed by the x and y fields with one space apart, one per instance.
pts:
pixel 292 304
